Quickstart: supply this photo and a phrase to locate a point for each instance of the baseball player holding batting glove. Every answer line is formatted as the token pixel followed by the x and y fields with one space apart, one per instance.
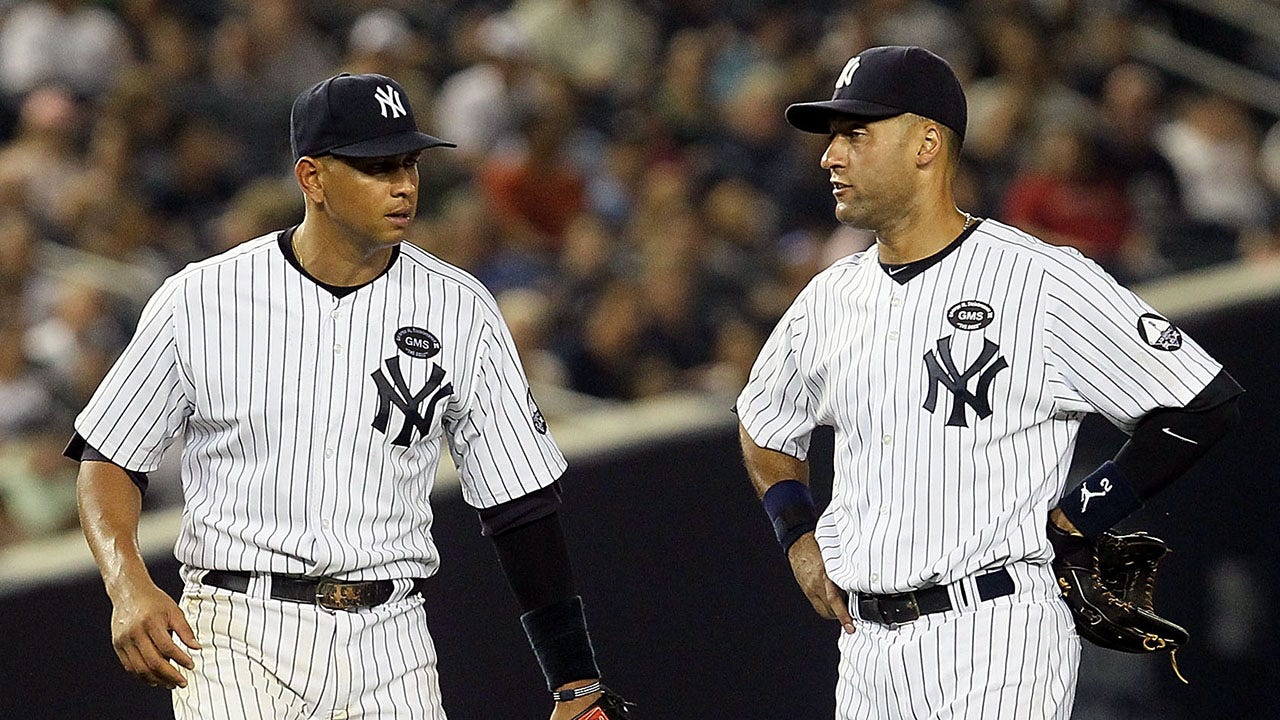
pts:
pixel 314 372
pixel 956 359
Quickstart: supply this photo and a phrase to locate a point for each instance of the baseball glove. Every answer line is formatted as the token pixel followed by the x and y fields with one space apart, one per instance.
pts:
pixel 609 706
pixel 1109 587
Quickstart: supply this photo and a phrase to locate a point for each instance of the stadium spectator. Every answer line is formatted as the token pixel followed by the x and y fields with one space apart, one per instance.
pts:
pixel 37 487
pixel 607 357
pixel 603 47
pixel 535 191
pixel 42 159
pixel 1213 147
pixel 1130 96
pixel 75 43
pixel 1065 198
pixel 1015 105
pixel 81 327
pixel 479 106
pixel 919 22
pixel 25 398
pixel 26 286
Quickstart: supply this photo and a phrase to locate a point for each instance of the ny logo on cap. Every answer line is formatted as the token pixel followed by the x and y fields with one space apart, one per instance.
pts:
pixel 846 75
pixel 389 99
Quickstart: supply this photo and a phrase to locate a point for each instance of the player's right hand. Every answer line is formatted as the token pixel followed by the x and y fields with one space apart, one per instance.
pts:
pixel 827 599
pixel 141 623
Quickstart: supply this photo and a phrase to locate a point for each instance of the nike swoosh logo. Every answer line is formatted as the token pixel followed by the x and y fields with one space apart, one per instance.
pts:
pixel 895 271
pixel 1167 431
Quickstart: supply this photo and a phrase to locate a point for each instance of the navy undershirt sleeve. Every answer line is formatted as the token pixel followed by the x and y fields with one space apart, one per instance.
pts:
pixel 79 449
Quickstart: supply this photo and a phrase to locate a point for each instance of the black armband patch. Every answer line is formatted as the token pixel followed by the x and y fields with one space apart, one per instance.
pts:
pixel 558 635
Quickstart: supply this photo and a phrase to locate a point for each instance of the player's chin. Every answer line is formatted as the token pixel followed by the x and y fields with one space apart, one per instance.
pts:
pixel 847 214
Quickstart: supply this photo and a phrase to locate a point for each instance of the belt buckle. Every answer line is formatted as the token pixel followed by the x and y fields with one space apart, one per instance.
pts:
pixel 334 595
pixel 895 615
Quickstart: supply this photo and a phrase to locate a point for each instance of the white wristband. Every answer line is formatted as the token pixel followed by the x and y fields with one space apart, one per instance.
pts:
pixel 574 694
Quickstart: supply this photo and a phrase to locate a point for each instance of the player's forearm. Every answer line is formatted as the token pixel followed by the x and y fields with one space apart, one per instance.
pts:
pixel 535 560
pixel 768 467
pixel 1165 444
pixel 782 484
pixel 110 506
pixel 531 548
pixel 1168 442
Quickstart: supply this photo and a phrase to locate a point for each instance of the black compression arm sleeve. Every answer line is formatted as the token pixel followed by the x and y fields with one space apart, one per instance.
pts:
pixel 536 562
pixel 1167 442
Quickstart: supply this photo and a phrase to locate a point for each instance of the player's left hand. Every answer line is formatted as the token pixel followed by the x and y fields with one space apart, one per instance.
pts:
pixel 811 574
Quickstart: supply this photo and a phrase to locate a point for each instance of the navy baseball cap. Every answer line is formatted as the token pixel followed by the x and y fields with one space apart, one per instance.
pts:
pixel 356 116
pixel 882 82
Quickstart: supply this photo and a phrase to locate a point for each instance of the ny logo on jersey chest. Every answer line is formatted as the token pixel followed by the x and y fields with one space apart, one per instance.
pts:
pixel 394 391
pixel 943 372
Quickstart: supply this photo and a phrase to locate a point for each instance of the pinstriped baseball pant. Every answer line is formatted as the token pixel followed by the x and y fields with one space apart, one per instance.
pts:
pixel 278 660
pixel 1010 658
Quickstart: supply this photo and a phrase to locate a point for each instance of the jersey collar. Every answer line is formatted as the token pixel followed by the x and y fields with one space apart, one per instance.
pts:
pixel 285 241
pixel 903 272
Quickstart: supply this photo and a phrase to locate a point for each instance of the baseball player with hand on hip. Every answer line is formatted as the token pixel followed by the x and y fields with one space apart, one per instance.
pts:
pixel 314 372
pixel 955 360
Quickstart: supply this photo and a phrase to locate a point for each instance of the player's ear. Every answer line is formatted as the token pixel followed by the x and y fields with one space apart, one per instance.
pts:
pixel 931 144
pixel 307 172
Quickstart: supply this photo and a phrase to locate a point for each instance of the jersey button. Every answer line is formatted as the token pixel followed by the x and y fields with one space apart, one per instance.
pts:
pixel 328 452
pixel 875 577
pixel 895 301
pixel 887 439
pixel 325 524
pixel 884 509
pixel 893 334
pixel 337 349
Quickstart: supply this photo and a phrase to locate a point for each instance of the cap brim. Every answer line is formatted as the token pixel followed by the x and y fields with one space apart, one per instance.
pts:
pixel 816 117
pixel 388 145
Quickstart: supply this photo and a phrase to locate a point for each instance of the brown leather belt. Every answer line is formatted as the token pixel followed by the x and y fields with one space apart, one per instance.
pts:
pixel 901 608
pixel 326 592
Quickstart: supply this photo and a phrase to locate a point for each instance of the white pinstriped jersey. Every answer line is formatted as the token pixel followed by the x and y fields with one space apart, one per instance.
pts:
pixel 956 398
pixel 313 423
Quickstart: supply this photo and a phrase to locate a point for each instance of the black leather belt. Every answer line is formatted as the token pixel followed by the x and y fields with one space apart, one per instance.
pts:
pixel 325 592
pixel 899 608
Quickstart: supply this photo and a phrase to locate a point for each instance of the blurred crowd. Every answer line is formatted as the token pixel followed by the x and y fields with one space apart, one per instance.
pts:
pixel 624 181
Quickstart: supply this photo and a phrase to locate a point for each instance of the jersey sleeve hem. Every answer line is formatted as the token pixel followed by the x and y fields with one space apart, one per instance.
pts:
pixel 80 450
pixel 799 451
pixel 530 482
